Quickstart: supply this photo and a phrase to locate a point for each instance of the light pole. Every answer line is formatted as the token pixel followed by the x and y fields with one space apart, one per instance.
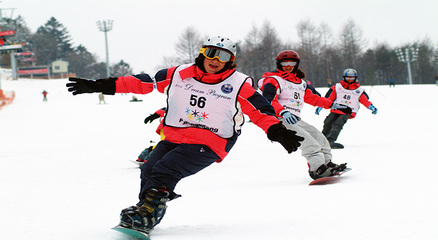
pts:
pixel 106 26
pixel 407 55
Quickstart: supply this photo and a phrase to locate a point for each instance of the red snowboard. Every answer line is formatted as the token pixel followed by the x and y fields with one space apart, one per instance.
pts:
pixel 329 180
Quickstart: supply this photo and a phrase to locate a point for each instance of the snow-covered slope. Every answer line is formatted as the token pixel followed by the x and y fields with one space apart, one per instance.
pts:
pixel 65 174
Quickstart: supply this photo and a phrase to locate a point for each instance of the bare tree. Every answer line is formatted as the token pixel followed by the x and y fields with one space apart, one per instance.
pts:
pixel 327 55
pixel 351 43
pixel 309 48
pixel 423 69
pixel 271 45
pixel 309 37
pixel 167 63
pixel 247 61
pixel 261 46
pixel 188 45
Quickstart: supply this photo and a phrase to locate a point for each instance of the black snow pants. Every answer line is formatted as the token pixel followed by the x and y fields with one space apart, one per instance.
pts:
pixel 333 125
pixel 171 162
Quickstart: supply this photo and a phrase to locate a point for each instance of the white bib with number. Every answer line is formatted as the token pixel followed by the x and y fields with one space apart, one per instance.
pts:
pixel 290 95
pixel 348 97
pixel 213 107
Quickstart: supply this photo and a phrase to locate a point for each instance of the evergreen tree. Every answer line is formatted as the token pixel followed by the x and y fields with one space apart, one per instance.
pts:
pixel 424 71
pixel 52 41
pixel 121 69
pixel 81 61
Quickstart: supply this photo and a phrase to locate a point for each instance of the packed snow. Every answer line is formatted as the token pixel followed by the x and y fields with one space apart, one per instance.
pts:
pixel 65 172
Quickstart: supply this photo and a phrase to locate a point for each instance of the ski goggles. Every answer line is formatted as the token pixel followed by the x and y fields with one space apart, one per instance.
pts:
pixel 350 78
pixel 292 64
pixel 221 55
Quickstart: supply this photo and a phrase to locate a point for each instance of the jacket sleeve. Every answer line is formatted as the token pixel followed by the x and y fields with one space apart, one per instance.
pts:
pixel 161 111
pixel 270 89
pixel 143 83
pixel 315 100
pixel 163 77
pixel 140 84
pixel 313 90
pixel 364 100
pixel 256 107
pixel 330 92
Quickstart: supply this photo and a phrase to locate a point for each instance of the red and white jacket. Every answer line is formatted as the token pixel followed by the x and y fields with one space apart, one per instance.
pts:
pixel 189 89
pixel 289 92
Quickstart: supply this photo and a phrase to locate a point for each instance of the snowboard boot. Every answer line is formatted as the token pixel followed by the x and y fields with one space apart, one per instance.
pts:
pixel 145 217
pixel 341 167
pixel 144 155
pixel 327 170
pixel 335 145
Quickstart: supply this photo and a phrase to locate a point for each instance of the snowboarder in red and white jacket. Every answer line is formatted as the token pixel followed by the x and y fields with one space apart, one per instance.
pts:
pixel 205 105
pixel 347 92
pixel 287 92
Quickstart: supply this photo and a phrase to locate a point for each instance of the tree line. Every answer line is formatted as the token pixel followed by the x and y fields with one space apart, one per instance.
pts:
pixel 324 55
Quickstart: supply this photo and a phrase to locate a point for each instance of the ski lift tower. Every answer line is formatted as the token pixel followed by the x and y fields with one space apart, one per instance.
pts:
pixel 407 55
pixel 106 26
pixel 4 34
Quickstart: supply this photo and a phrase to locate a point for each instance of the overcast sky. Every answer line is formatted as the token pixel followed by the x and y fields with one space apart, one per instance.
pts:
pixel 145 31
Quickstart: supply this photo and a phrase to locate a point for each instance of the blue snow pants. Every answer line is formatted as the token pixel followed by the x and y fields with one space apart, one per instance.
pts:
pixel 171 162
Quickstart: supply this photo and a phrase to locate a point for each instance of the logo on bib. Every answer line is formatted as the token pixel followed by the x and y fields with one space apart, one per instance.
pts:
pixel 296 103
pixel 195 119
pixel 196 116
pixel 227 88
pixel 346 102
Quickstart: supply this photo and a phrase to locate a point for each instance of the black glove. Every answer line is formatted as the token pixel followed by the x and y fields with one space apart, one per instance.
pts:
pixel 82 85
pixel 287 138
pixel 151 118
pixel 341 107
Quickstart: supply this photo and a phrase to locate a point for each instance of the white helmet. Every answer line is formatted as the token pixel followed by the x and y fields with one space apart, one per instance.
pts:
pixel 350 72
pixel 221 42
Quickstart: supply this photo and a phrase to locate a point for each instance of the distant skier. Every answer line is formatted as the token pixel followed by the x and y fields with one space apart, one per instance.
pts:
pixel 205 105
pixel 101 98
pixel 347 92
pixel 392 82
pixel 44 95
pixel 329 82
pixel 135 99
pixel 287 92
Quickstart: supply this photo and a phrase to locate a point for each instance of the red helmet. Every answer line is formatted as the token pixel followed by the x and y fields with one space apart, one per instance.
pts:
pixel 288 55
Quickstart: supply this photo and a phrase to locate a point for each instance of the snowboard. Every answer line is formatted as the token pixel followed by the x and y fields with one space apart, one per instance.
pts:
pixel 132 232
pixel 329 180
pixel 139 164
